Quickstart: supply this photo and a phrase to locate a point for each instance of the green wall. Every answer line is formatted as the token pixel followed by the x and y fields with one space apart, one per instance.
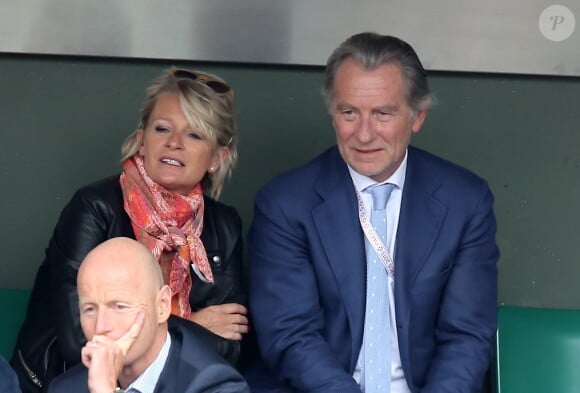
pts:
pixel 62 120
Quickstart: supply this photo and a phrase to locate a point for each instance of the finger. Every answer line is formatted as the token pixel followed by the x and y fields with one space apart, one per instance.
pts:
pixel 234 331
pixel 231 335
pixel 137 325
pixel 86 355
pixel 126 340
pixel 242 329
pixel 233 308
pixel 237 319
pixel 241 320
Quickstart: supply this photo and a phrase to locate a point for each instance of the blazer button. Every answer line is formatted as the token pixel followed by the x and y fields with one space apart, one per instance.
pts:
pixel 217 260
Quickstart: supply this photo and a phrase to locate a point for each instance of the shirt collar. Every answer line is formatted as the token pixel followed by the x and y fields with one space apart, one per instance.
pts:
pixel 398 178
pixel 147 381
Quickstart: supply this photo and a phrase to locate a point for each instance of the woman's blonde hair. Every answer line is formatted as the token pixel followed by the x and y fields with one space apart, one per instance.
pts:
pixel 208 104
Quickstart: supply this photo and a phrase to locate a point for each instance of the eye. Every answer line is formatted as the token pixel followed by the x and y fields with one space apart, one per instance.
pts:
pixel 160 128
pixel 348 114
pixel 383 116
pixel 121 307
pixel 88 310
pixel 195 135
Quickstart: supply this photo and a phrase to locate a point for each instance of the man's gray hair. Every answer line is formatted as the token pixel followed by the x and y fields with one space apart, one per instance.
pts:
pixel 371 50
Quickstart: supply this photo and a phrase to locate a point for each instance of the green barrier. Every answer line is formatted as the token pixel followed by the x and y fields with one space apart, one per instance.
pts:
pixel 13 304
pixel 538 350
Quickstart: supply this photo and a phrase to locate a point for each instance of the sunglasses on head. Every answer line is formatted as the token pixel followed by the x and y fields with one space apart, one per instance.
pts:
pixel 215 85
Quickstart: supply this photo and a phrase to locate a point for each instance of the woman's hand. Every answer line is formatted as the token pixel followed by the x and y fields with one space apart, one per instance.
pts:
pixel 226 320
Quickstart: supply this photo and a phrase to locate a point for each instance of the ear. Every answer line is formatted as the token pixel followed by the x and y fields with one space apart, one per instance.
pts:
pixel 140 133
pixel 418 120
pixel 219 156
pixel 163 304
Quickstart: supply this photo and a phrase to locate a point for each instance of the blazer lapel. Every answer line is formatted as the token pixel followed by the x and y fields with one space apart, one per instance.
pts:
pixel 336 220
pixel 170 376
pixel 420 220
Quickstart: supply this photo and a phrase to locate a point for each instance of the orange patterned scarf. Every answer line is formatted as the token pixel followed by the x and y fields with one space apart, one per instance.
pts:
pixel 166 221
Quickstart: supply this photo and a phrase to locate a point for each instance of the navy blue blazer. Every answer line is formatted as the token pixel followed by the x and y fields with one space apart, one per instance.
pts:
pixel 308 269
pixel 191 367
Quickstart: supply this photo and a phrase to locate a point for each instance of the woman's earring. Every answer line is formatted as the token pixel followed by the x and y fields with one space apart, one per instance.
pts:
pixel 211 169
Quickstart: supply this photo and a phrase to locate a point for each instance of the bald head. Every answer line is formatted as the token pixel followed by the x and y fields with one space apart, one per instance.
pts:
pixel 122 254
pixel 117 281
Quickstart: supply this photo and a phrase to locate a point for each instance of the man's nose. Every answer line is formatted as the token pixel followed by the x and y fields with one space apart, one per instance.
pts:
pixel 103 324
pixel 364 131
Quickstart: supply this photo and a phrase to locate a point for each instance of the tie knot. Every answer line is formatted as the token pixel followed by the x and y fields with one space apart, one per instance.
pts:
pixel 380 194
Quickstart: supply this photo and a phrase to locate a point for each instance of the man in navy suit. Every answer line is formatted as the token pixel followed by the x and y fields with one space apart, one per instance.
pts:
pixel 124 308
pixel 310 237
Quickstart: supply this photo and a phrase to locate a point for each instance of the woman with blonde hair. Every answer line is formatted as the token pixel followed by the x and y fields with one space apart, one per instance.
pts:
pixel 174 168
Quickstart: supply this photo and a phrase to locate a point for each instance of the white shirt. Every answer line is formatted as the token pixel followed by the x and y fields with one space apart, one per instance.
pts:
pixel 147 381
pixel 398 382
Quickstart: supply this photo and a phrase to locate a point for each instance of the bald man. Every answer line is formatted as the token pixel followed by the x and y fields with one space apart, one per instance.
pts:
pixel 124 308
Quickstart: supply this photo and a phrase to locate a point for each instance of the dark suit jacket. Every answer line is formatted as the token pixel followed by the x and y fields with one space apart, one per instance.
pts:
pixel 191 367
pixel 308 269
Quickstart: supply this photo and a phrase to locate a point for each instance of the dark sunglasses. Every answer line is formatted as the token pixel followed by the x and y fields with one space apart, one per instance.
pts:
pixel 217 86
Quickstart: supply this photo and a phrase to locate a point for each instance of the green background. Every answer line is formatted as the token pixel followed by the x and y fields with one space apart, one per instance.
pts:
pixel 62 121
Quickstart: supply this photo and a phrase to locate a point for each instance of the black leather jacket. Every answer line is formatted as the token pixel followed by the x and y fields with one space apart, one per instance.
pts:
pixel 94 214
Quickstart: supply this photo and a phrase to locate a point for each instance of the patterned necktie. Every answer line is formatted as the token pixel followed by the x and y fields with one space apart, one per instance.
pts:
pixel 377 334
